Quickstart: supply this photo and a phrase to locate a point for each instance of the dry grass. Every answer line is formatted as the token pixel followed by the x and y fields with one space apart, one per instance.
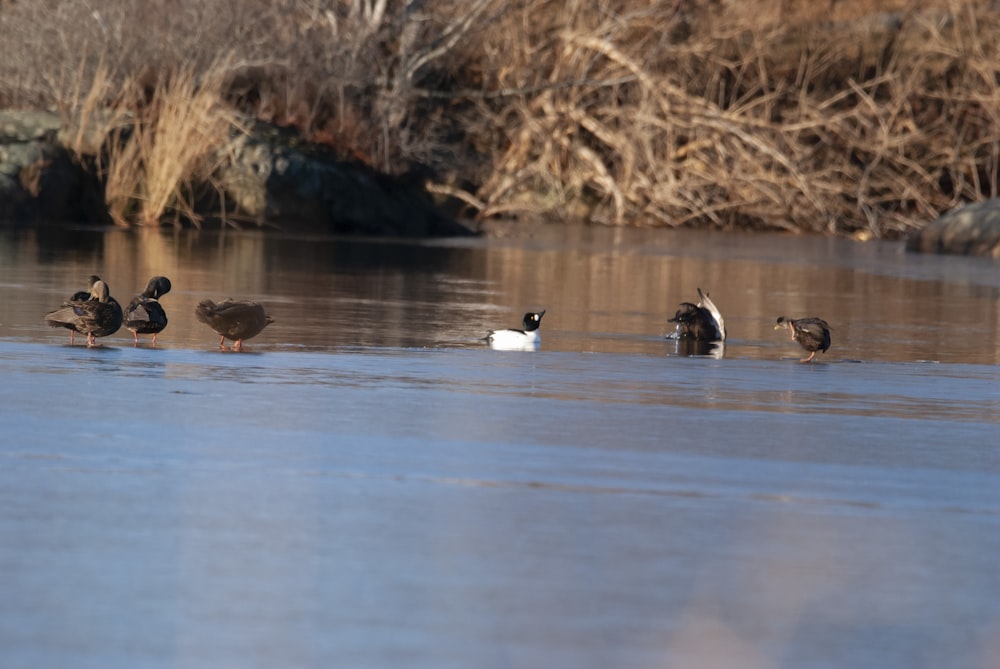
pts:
pixel 850 117
pixel 157 143
pixel 864 127
pixel 178 139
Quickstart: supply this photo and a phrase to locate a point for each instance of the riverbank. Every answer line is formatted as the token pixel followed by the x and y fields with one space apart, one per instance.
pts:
pixel 262 178
pixel 856 120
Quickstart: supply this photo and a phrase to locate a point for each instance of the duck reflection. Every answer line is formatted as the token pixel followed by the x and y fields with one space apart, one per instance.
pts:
pixel 693 347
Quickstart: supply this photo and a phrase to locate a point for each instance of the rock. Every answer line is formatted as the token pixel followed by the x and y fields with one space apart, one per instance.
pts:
pixel 297 186
pixel 39 178
pixel 25 126
pixel 970 230
pixel 273 177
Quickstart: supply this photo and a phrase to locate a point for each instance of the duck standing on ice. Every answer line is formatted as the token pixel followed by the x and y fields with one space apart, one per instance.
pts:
pixel 236 320
pixel 145 314
pixel 99 315
pixel 812 334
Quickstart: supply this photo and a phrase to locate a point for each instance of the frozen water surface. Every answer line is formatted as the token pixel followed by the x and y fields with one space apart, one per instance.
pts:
pixel 370 486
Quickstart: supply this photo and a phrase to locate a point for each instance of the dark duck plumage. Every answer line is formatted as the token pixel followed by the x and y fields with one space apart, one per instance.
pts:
pixel 78 296
pixel 236 320
pixel 99 315
pixel 813 334
pixel 145 314
pixel 81 295
pixel 700 322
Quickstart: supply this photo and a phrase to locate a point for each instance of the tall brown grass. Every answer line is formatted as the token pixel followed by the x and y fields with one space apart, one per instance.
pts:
pixel 852 117
pixel 158 142
pixel 178 139
pixel 870 126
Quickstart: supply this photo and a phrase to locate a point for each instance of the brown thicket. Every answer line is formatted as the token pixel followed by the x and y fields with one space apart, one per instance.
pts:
pixel 848 117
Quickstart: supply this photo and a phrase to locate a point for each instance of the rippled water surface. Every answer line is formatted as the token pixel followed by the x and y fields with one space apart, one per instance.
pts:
pixel 371 486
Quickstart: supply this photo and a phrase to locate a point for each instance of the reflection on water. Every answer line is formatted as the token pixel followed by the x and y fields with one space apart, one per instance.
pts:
pixel 689 347
pixel 372 486
pixel 605 290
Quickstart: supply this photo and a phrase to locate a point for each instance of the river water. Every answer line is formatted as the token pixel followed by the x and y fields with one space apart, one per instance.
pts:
pixel 371 486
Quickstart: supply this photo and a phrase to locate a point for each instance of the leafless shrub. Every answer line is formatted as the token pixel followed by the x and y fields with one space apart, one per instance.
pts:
pixel 156 143
pixel 855 117
pixel 866 127
pixel 174 144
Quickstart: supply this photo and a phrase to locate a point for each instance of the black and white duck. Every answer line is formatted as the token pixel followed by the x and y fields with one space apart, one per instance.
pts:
pixel 700 322
pixel 512 339
pixel 700 329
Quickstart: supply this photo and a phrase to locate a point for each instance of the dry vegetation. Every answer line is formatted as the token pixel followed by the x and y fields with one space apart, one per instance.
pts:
pixel 155 147
pixel 850 117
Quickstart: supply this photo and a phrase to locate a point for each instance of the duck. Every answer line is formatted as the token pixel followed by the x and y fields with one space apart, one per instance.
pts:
pixel 236 320
pixel 145 314
pixel 518 340
pixel 99 315
pixel 699 322
pixel 78 296
pixel 812 333
pixel 83 295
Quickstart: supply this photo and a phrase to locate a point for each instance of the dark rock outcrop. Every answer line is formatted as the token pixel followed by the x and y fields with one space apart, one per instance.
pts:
pixel 39 178
pixel 273 177
pixel 970 230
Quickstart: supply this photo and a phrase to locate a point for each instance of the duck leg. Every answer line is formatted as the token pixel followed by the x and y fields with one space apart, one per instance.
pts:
pixel 72 336
pixel 222 343
pixel 154 340
pixel 91 340
pixel 136 335
pixel 238 345
pixel 809 359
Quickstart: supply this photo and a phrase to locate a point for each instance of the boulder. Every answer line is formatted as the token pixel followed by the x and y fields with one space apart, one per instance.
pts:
pixel 39 178
pixel 275 179
pixel 970 230
pixel 271 175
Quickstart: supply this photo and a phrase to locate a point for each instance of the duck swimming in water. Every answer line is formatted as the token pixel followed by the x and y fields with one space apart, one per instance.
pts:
pixel 518 340
pixel 145 314
pixel 97 316
pixel 813 334
pixel 236 320
pixel 700 322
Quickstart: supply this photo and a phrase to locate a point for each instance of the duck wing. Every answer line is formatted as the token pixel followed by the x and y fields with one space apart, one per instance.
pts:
pixel 720 323
pixel 145 315
pixel 88 317
pixel 812 333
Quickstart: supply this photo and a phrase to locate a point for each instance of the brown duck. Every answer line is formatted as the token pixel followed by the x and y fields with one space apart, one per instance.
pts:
pixel 813 334
pixel 99 315
pixel 236 320
pixel 78 296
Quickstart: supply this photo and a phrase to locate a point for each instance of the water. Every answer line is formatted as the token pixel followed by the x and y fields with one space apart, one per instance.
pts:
pixel 371 486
